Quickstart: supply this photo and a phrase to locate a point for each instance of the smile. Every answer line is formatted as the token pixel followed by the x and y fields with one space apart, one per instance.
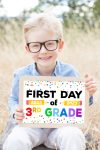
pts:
pixel 45 58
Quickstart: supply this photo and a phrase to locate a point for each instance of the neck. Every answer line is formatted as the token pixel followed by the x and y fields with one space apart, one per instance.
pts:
pixel 45 71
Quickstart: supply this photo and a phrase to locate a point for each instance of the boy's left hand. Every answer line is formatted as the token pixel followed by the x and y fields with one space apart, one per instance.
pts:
pixel 90 84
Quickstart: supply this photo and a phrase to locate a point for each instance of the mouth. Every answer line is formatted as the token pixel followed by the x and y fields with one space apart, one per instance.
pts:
pixel 45 58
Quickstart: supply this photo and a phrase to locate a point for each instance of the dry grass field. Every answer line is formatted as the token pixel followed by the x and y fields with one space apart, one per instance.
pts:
pixel 82 49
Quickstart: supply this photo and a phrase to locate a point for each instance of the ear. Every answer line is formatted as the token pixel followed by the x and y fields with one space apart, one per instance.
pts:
pixel 26 48
pixel 61 45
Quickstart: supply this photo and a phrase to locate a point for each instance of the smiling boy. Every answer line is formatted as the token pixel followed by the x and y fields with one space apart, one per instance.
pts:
pixel 44 42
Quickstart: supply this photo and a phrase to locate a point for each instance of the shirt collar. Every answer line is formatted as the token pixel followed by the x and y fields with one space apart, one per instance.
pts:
pixel 36 73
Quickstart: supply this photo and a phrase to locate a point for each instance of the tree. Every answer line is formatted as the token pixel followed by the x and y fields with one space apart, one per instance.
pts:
pixel 78 14
pixel 96 9
pixel 1 4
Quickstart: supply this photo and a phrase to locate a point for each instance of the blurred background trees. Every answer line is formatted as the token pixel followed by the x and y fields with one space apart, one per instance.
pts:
pixel 83 15
pixel 80 13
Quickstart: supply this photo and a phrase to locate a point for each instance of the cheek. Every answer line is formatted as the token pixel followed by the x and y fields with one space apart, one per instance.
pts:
pixel 56 53
pixel 35 56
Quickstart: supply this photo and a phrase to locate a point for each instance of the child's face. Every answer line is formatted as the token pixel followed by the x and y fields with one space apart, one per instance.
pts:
pixel 44 57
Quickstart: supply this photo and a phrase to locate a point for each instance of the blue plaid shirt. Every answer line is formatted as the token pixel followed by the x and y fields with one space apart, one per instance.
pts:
pixel 61 69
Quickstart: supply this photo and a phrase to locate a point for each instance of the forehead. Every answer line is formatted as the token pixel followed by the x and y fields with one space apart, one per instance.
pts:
pixel 40 35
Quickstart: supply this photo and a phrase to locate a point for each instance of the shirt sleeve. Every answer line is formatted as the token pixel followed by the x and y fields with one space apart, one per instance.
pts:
pixel 74 73
pixel 14 96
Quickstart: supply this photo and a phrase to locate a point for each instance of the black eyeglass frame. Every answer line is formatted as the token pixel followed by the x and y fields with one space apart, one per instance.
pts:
pixel 43 43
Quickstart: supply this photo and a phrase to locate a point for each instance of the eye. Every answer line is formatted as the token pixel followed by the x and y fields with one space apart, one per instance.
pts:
pixel 50 43
pixel 34 45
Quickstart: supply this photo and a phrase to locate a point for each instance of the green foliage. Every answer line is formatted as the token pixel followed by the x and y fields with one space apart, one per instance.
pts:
pixel 80 14
pixel 73 4
pixel 96 9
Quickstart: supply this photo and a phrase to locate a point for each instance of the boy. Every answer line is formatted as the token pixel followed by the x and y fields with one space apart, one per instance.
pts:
pixel 44 42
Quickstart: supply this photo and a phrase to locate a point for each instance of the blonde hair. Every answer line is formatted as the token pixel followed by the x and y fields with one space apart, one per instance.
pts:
pixel 47 22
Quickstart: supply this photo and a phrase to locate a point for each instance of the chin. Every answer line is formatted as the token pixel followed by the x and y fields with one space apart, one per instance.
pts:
pixel 45 64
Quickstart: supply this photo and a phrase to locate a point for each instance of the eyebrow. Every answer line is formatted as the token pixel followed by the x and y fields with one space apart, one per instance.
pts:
pixel 42 42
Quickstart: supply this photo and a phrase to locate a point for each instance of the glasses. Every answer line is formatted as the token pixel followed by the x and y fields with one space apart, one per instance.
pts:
pixel 50 45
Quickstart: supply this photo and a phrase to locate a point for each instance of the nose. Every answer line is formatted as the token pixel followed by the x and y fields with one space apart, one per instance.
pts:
pixel 43 49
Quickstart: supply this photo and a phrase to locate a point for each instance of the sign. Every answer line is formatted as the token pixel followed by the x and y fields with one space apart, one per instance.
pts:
pixel 52 101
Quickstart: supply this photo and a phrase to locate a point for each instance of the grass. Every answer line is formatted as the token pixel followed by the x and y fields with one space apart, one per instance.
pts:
pixel 82 49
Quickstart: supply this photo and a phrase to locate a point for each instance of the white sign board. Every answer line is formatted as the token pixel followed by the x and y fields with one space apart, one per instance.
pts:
pixel 52 101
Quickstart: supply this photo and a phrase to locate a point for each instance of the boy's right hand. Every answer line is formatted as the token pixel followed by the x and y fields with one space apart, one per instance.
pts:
pixel 19 115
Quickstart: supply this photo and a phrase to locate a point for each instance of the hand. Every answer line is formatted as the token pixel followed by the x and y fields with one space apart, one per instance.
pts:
pixel 90 84
pixel 19 115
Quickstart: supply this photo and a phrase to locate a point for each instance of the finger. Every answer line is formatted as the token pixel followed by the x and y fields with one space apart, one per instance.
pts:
pixel 90 86
pixel 19 109
pixel 91 90
pixel 88 79
pixel 88 89
pixel 90 83
pixel 19 118
pixel 19 114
